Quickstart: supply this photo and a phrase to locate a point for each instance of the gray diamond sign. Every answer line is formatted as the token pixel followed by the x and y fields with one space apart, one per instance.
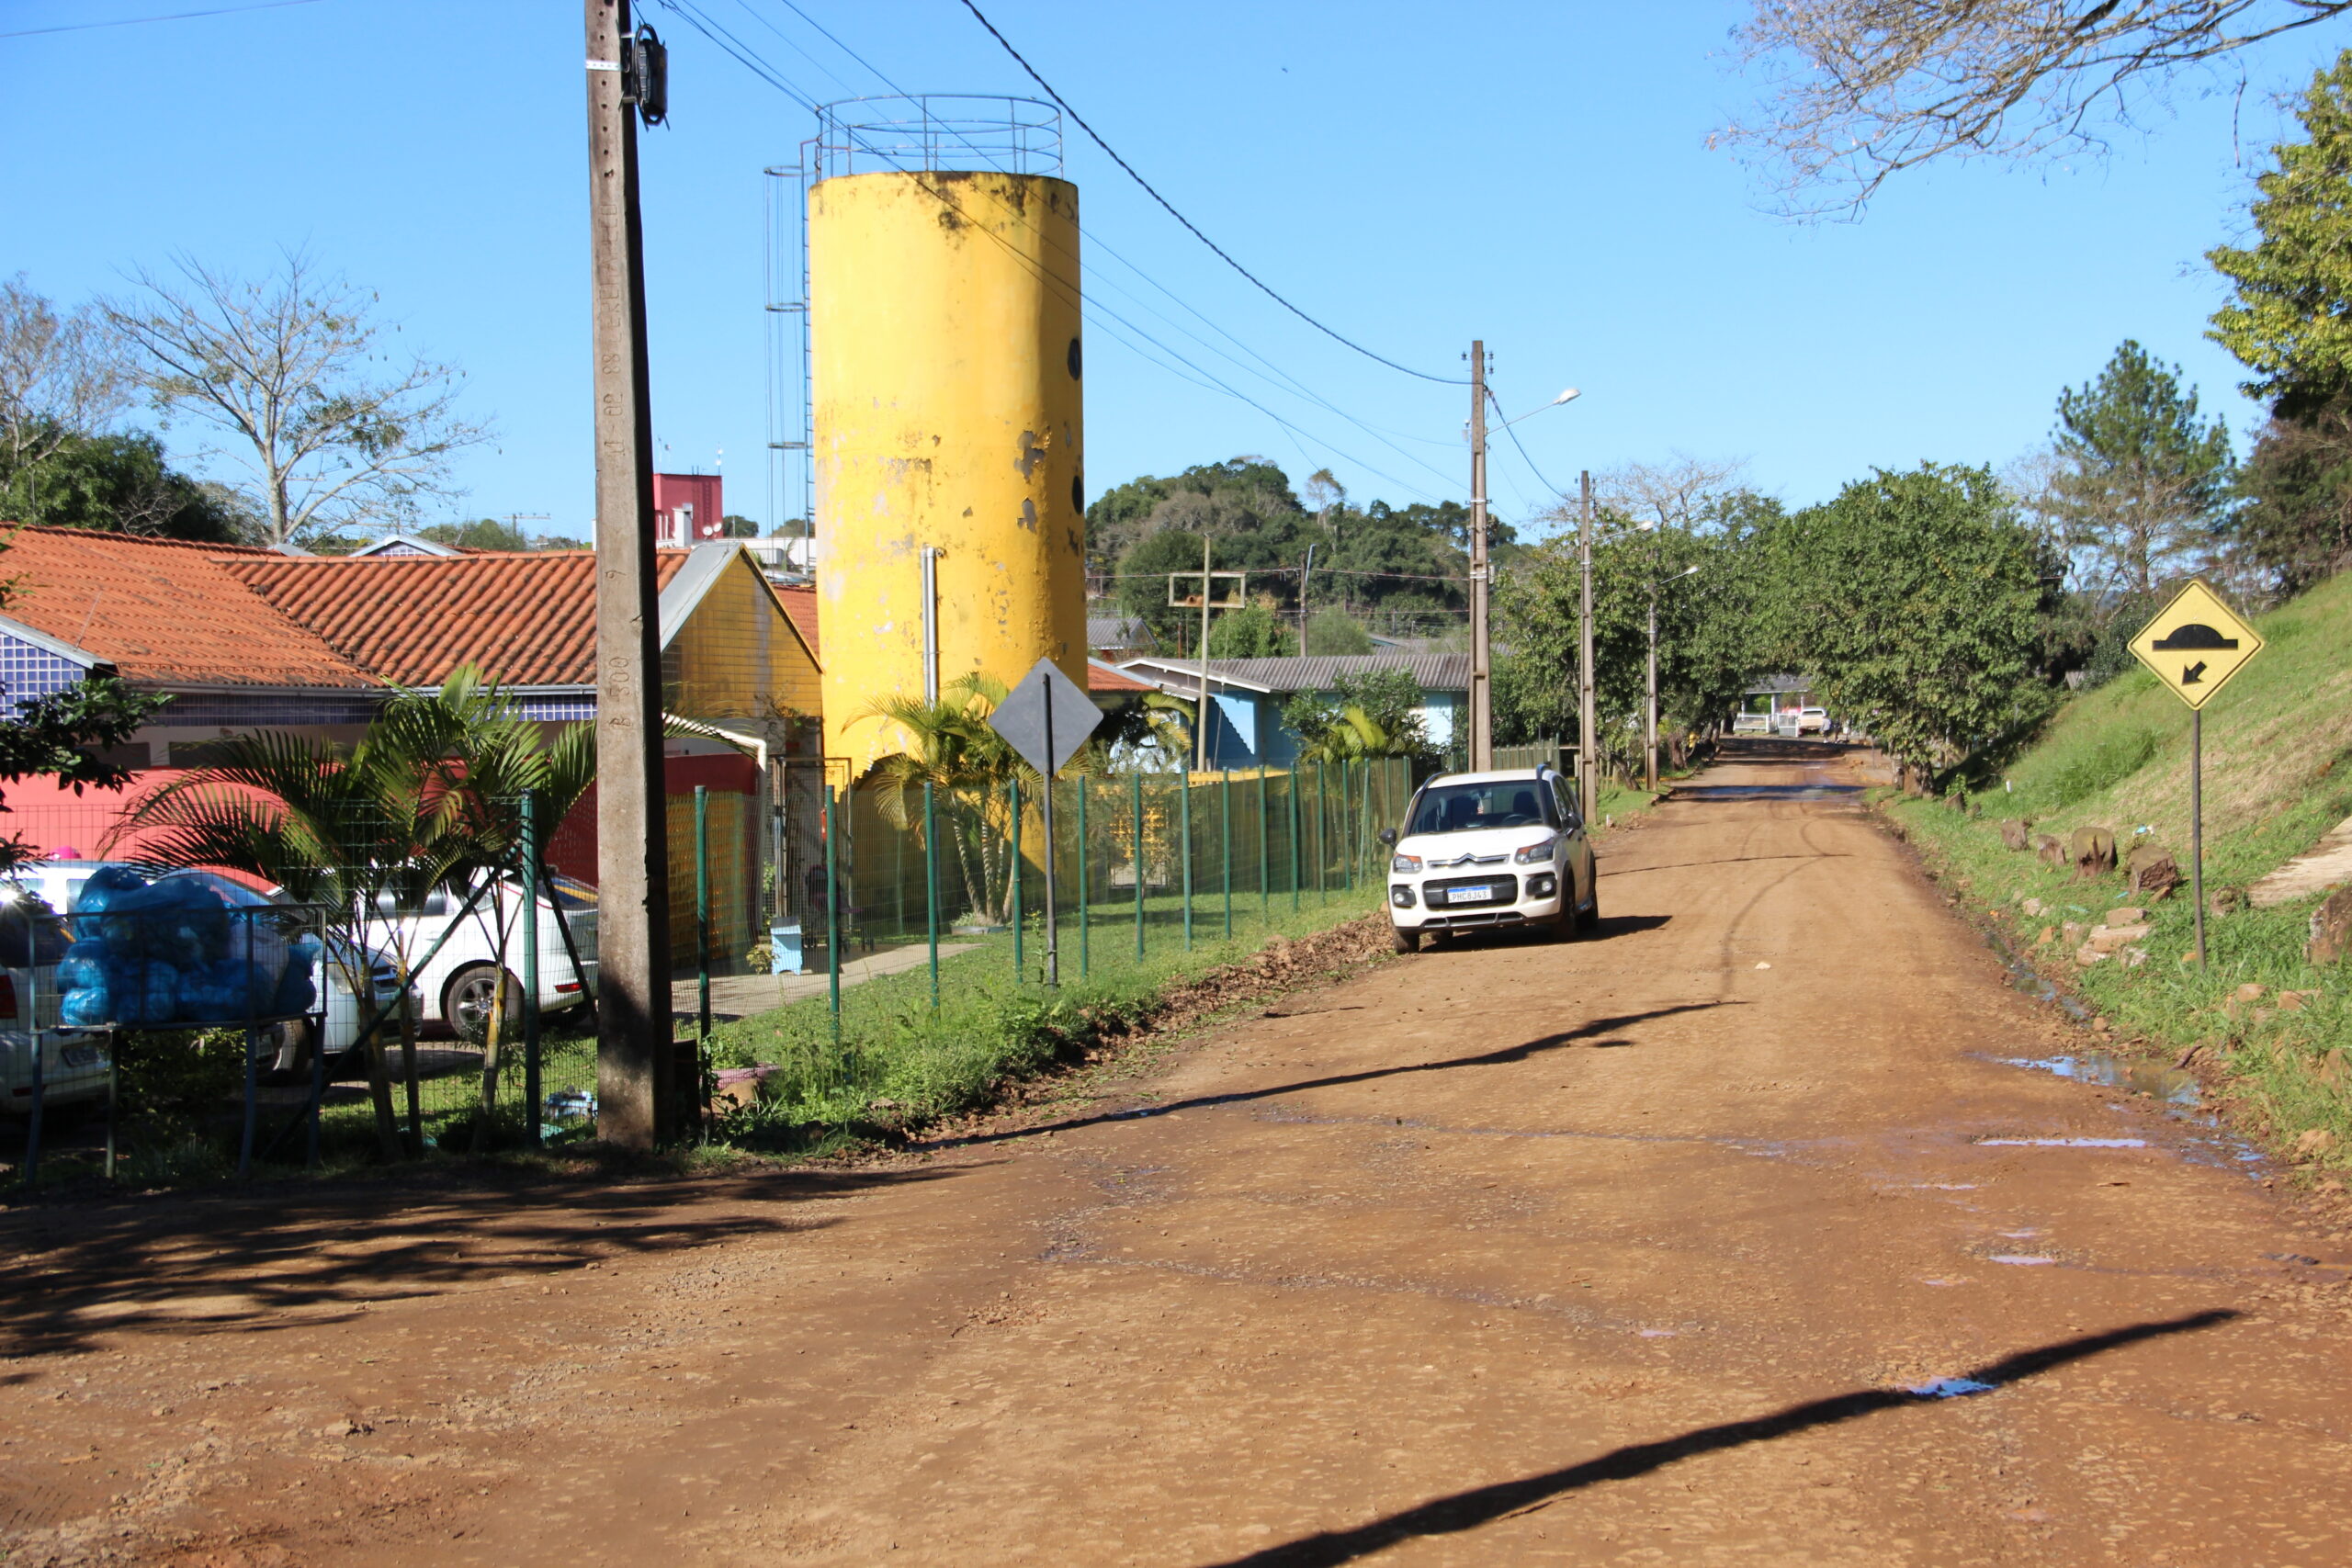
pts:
pixel 1045 718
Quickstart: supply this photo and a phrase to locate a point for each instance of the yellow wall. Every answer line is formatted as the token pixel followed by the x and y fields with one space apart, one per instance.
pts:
pixel 945 326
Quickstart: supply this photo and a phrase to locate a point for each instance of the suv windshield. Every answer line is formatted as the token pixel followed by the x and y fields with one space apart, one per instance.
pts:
pixel 1460 808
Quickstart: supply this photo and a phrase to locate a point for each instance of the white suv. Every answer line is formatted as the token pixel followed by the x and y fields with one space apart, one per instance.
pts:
pixel 1499 848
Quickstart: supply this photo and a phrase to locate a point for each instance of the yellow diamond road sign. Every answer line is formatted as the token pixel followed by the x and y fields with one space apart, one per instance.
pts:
pixel 2195 644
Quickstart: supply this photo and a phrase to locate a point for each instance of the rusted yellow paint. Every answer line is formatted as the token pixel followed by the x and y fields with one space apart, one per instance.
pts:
pixel 944 337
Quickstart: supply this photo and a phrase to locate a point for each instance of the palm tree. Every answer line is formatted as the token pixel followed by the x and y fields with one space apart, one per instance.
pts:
pixel 969 764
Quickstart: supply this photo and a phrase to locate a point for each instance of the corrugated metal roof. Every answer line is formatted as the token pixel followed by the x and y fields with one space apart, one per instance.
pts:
pixel 1435 672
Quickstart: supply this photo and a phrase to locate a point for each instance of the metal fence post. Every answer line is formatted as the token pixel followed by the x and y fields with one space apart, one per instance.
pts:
pixel 530 847
pixel 1135 782
pixel 1322 859
pixel 1293 836
pixel 702 956
pixel 1184 783
pixel 828 824
pixel 1013 793
pixel 931 886
pixel 1224 827
pixel 1347 826
pixel 1265 895
pixel 1082 889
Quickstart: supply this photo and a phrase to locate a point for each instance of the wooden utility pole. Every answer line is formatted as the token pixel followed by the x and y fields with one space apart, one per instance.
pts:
pixel 634 1049
pixel 1201 720
pixel 1482 708
pixel 1588 755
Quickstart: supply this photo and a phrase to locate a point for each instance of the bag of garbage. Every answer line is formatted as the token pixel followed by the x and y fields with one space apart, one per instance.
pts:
pixel 87 1008
pixel 97 895
pixel 297 990
pixel 82 966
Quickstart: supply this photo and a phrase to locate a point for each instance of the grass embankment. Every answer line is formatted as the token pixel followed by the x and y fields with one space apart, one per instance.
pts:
pixel 2278 769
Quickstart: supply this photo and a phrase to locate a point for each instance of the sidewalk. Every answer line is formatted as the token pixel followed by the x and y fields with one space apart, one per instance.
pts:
pixel 743 996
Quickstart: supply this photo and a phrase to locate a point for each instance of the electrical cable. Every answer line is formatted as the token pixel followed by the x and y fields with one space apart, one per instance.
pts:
pixel 174 16
pixel 1278 377
pixel 1190 226
pixel 1523 458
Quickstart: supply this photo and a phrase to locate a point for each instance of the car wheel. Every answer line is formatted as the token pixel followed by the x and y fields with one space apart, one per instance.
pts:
pixel 1407 940
pixel 1588 918
pixel 465 1005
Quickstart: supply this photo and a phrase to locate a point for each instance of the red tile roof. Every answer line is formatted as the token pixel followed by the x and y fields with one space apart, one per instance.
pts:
pixel 162 611
pixel 1101 677
pixel 800 604
pixel 528 619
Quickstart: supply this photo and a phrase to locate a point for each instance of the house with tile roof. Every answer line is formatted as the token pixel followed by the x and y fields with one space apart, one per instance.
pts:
pixel 241 639
pixel 1246 696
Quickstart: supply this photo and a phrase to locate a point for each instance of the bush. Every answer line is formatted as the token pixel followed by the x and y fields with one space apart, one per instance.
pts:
pixel 2109 762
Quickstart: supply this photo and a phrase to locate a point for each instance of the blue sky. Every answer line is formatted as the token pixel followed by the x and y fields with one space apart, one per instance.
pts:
pixel 1533 174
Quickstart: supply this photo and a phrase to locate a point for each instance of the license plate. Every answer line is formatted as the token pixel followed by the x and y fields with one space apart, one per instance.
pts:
pixel 1470 895
pixel 83 1056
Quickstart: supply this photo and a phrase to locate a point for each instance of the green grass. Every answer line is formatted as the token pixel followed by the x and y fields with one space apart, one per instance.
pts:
pixel 2277 741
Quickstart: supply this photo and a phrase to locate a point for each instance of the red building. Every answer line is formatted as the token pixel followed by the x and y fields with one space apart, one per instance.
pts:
pixel 687 510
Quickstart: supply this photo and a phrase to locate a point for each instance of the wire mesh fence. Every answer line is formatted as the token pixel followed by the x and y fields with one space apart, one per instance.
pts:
pixel 1141 862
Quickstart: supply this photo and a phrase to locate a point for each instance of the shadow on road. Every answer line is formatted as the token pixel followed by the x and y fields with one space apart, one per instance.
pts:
pixel 1472 938
pixel 1519 1052
pixel 252 1262
pixel 1469 1510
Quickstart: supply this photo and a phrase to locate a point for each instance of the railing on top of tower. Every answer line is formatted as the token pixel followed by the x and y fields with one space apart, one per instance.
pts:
pixel 935 132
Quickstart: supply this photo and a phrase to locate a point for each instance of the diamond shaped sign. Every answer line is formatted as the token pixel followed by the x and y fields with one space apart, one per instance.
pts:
pixel 2195 644
pixel 1045 718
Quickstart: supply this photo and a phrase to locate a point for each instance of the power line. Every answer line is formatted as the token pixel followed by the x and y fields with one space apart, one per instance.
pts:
pixel 1279 377
pixel 174 16
pixel 1194 228
pixel 1523 458
pixel 752 61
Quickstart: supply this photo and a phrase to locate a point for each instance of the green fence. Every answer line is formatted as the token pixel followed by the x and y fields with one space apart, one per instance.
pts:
pixel 1143 862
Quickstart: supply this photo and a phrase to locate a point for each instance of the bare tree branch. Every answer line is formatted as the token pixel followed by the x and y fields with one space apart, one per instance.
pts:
pixel 333 430
pixel 1856 91
pixel 59 376
pixel 1676 493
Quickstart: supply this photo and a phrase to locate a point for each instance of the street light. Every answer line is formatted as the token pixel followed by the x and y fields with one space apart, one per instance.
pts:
pixel 1482 686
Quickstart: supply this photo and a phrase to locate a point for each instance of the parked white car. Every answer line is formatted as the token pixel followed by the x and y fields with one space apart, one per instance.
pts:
pixel 1812 721
pixel 1493 849
pixel 457 985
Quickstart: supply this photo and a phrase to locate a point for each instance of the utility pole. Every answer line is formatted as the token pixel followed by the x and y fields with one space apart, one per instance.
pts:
pixel 1482 709
pixel 634 1032
pixel 1201 720
pixel 1305 572
pixel 1649 723
pixel 1588 755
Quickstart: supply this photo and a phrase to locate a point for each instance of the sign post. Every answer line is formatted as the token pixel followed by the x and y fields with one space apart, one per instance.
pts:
pixel 1046 719
pixel 2194 646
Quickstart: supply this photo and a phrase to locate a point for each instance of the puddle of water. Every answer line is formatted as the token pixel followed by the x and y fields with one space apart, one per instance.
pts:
pixel 1945 1186
pixel 2022 1259
pixel 2063 1143
pixel 1657 1333
pixel 2169 1085
pixel 1953 1282
pixel 2026 978
pixel 1950 1388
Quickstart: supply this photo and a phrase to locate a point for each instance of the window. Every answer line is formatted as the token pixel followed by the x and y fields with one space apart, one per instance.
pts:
pixel 1462 808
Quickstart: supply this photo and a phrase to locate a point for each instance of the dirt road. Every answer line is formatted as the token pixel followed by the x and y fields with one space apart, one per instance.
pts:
pixel 1627 1250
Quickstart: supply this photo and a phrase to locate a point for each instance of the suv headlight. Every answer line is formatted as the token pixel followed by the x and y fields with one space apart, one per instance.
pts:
pixel 1537 853
pixel 1404 865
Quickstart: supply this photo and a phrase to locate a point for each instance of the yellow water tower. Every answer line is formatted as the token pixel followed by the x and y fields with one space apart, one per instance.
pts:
pixel 948 429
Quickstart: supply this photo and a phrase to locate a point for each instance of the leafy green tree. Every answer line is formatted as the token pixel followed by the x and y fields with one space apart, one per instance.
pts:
pixel 2142 482
pixel 1913 600
pixel 2296 522
pixel 1252 632
pixel 2287 320
pixel 735 526
pixel 1335 632
pixel 1376 714
pixel 119 481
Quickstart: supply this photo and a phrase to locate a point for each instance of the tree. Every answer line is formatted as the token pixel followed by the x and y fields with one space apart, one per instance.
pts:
pixel 334 430
pixel 119 482
pixel 1335 632
pixel 1683 493
pixel 1253 631
pixel 2296 522
pixel 1859 90
pixel 480 533
pixel 967 764
pixel 1376 714
pixel 1913 599
pixel 60 378
pixel 2140 481
pixel 736 526
pixel 2290 318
